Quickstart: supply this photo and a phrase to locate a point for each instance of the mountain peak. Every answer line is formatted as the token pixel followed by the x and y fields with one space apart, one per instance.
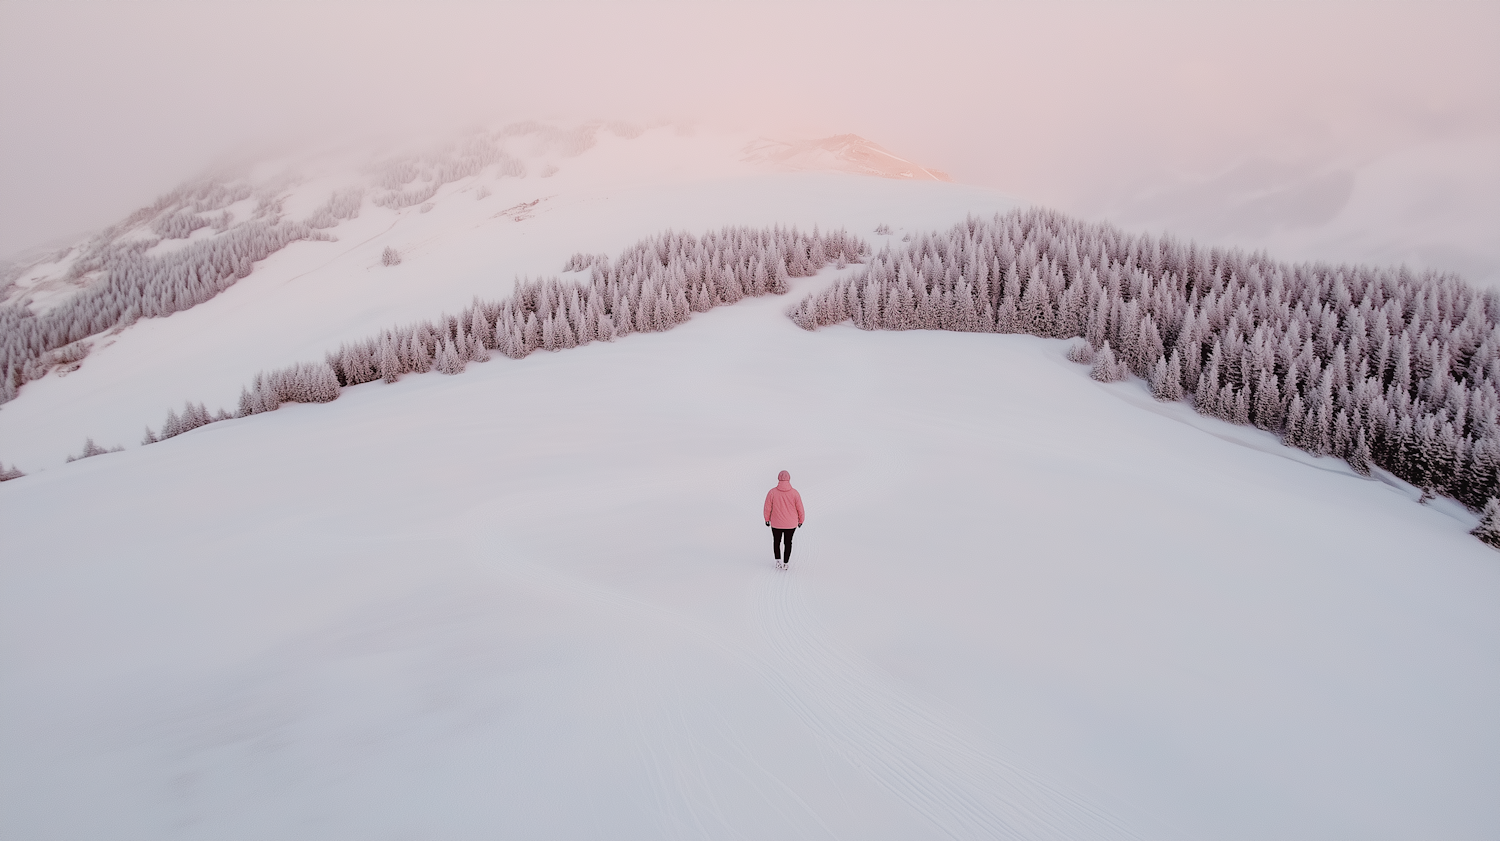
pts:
pixel 839 153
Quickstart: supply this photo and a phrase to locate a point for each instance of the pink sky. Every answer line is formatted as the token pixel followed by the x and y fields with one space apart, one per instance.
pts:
pixel 1342 130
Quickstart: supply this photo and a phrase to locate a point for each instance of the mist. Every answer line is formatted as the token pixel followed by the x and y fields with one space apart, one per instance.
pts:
pixel 1334 131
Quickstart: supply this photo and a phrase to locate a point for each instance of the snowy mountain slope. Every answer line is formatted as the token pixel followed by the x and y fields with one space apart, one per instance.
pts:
pixel 307 298
pixel 1432 205
pixel 534 600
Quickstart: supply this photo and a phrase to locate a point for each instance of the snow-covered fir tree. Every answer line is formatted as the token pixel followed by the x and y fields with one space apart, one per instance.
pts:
pixel 1106 368
pixel 193 416
pixel 1489 523
pixel 90 449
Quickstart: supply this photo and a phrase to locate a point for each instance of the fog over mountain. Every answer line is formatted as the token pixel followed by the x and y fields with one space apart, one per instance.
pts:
pixel 1340 131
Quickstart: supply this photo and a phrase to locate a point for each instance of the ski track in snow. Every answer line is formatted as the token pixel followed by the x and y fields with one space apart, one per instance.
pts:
pixel 346 252
pixel 910 748
pixel 904 742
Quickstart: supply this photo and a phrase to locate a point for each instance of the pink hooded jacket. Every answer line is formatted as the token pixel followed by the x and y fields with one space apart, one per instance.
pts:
pixel 784 504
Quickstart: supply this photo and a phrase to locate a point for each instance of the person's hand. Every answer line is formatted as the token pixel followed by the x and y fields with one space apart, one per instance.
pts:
pixel 768 525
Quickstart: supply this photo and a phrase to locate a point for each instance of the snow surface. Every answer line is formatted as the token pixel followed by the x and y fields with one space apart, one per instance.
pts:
pixel 535 600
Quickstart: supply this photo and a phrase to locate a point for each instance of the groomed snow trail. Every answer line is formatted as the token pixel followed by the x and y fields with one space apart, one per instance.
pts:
pixel 908 744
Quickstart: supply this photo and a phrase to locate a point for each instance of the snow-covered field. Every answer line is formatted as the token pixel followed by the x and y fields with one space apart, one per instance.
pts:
pixel 534 600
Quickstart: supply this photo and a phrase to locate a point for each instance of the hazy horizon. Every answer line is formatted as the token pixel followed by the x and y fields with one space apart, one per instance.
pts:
pixel 1346 131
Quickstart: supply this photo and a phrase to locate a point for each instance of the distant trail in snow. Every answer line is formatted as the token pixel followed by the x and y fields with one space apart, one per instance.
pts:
pixel 346 252
pixel 905 744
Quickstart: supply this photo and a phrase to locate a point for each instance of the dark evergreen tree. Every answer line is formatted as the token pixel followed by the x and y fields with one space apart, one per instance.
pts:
pixel 1489 523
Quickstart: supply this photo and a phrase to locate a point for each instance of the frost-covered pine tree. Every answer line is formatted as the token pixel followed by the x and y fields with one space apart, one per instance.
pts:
pixel 1166 378
pixel 1082 353
pixel 1489 523
pixel 1108 369
pixel 90 449
pixel 389 362
pixel 1359 454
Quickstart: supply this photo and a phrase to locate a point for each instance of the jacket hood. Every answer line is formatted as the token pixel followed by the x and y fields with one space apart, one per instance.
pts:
pixel 783 481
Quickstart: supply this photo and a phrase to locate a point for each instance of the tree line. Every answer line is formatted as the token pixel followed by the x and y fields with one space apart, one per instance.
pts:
pixel 132 284
pixel 652 286
pixel 1377 366
pixel 1381 367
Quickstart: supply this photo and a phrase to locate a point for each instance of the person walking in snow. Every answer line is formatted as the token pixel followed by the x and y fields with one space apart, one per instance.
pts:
pixel 783 513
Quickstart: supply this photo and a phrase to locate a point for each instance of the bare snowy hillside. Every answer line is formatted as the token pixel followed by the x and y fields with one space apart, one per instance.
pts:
pixel 533 598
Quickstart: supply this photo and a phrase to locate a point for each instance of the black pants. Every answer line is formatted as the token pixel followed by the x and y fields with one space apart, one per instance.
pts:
pixel 778 537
